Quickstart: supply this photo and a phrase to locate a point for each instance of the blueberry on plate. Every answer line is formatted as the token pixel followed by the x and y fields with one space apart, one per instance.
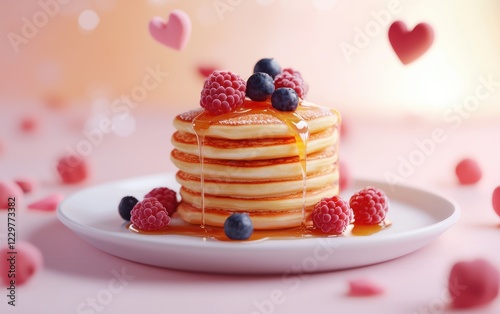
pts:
pixel 260 86
pixel 269 66
pixel 238 226
pixel 285 99
pixel 126 205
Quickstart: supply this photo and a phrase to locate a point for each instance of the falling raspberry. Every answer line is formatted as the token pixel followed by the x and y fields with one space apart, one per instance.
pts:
pixel 72 169
pixel 28 263
pixel 495 200
pixel 468 171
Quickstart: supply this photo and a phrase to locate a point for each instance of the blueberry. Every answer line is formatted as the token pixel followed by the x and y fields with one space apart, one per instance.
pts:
pixel 238 226
pixel 260 86
pixel 285 99
pixel 269 66
pixel 126 205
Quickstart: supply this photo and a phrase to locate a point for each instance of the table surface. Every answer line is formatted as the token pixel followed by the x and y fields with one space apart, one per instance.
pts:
pixel 78 278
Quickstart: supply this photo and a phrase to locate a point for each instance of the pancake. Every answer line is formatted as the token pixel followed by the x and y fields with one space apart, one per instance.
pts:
pixel 255 148
pixel 226 187
pixel 259 123
pixel 286 202
pixel 260 220
pixel 271 164
pixel 277 169
pixel 266 213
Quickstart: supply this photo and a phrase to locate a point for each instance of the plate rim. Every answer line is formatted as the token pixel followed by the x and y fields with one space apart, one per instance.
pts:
pixel 92 231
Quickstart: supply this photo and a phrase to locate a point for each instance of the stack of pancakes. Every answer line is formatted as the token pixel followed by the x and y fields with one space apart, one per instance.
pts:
pixel 252 163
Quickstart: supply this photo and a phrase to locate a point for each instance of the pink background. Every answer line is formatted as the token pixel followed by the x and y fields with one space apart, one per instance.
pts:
pixel 63 60
pixel 66 79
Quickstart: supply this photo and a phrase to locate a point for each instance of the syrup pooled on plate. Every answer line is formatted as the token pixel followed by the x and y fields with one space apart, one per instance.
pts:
pixel 254 160
pixel 217 233
pixel 297 125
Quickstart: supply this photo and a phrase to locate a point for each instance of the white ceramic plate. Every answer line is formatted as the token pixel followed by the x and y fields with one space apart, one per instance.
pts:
pixel 418 217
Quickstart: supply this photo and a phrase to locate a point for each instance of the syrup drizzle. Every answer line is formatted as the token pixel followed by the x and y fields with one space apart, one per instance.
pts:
pixel 297 125
pixel 300 130
pixel 200 137
pixel 178 227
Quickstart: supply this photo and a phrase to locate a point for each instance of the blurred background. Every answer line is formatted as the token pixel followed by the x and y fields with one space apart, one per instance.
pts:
pixel 85 78
pixel 68 66
pixel 79 53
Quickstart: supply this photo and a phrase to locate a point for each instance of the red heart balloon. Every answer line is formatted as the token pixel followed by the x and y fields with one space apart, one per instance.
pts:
pixel 410 45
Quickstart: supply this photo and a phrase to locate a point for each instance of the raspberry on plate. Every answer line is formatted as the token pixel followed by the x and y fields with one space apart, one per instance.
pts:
pixel 222 92
pixel 149 215
pixel 291 79
pixel 331 215
pixel 468 171
pixel 166 196
pixel 369 205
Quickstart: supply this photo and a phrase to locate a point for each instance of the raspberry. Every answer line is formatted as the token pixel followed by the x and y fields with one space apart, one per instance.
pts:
pixel 166 197
pixel 294 73
pixel 468 171
pixel 28 261
pixel 331 215
pixel 149 215
pixel 29 124
pixel 222 92
pixel 291 79
pixel 369 205
pixel 72 169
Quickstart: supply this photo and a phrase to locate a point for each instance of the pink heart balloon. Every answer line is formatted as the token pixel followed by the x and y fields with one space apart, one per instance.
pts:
pixel 410 45
pixel 174 33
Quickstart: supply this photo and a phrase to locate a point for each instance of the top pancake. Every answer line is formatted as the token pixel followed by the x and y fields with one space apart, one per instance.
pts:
pixel 257 120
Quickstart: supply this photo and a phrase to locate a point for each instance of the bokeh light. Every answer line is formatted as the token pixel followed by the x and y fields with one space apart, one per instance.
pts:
pixel 88 20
